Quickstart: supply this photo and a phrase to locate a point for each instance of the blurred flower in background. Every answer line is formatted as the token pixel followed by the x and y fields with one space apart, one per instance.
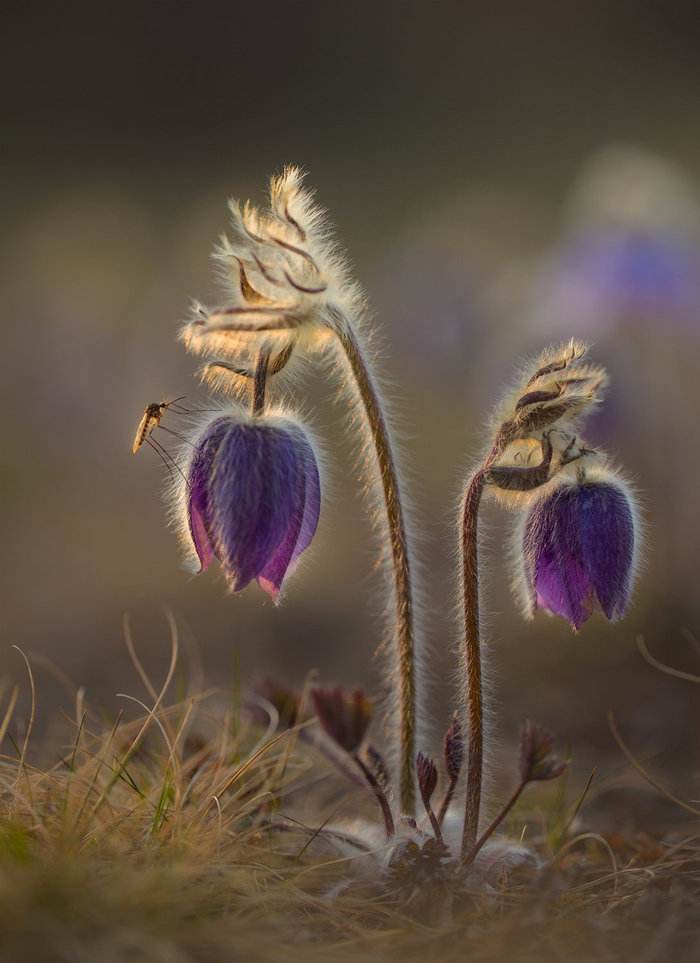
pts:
pixel 630 253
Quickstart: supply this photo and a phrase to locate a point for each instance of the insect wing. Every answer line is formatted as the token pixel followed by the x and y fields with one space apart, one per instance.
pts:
pixel 144 425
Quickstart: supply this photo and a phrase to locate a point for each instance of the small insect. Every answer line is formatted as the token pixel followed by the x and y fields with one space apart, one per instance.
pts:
pixel 152 415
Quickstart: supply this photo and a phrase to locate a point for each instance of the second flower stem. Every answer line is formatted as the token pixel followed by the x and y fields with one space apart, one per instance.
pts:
pixel 469 544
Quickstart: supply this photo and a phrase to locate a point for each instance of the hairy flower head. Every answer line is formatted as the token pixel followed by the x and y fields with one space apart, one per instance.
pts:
pixel 283 277
pixel 554 391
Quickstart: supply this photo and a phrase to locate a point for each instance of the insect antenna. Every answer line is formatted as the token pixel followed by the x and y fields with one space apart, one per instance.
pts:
pixel 180 409
pixel 177 435
pixel 194 411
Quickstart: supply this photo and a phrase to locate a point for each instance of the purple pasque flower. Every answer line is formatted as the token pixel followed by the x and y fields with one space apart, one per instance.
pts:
pixel 253 498
pixel 578 550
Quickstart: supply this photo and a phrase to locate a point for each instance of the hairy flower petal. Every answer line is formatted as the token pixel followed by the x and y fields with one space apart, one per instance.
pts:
pixel 302 523
pixel 578 548
pixel 253 497
pixel 253 493
pixel 199 514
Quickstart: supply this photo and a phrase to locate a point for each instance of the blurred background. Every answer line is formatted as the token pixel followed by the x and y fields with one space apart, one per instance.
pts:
pixel 503 175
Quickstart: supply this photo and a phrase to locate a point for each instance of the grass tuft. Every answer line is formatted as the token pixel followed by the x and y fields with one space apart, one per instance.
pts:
pixel 190 833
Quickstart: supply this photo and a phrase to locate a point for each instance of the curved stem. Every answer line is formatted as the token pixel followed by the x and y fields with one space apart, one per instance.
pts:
pixel 472 647
pixel 403 598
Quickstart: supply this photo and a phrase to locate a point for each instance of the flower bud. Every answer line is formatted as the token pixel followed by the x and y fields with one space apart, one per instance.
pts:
pixel 344 717
pixel 426 771
pixel 577 548
pixel 535 759
pixel 253 498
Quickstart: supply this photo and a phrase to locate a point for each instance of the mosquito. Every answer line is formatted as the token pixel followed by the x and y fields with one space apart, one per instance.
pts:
pixel 151 420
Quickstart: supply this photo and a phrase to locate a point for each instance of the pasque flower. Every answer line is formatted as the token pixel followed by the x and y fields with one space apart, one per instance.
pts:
pixel 253 498
pixel 577 548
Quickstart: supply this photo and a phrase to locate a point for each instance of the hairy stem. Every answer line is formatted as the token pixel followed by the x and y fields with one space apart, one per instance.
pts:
pixel 403 598
pixel 447 800
pixel 472 656
pixel 469 528
pixel 260 381
pixel 434 822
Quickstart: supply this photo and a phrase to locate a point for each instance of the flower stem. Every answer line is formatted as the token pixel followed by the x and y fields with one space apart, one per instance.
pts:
pixel 260 380
pixel 403 596
pixel 469 527
pixel 447 800
pixel 472 854
pixel 379 795
pixel 434 822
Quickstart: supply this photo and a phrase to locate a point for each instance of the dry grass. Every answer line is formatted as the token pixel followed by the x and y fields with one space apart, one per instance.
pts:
pixel 167 838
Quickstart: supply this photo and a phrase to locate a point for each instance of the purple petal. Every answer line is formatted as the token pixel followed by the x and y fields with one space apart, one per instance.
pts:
pixel 199 476
pixel 607 540
pixel 556 570
pixel 578 546
pixel 253 492
pixel 562 587
pixel 302 525
pixel 273 574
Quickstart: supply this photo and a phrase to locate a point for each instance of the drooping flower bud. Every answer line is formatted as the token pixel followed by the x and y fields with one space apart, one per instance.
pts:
pixel 344 717
pixel 253 498
pixel 576 548
pixel 535 759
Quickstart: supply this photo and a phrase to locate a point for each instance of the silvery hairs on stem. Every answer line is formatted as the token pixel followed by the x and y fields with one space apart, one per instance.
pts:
pixel 287 291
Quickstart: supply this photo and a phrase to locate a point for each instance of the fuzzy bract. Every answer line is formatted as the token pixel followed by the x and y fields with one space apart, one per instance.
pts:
pixel 283 277
pixel 578 551
pixel 253 499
